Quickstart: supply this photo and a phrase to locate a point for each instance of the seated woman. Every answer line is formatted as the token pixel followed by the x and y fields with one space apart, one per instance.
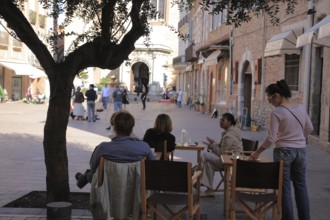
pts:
pixel 230 140
pixel 161 132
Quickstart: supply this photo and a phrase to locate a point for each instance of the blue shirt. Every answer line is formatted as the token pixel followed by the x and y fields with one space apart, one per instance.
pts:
pixel 117 95
pixel 122 149
pixel 106 91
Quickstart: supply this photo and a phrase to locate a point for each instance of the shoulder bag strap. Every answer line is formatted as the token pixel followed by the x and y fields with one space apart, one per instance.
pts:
pixel 294 116
pixel 100 174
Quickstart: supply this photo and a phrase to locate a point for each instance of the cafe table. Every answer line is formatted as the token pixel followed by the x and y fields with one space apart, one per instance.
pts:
pixel 197 148
pixel 227 162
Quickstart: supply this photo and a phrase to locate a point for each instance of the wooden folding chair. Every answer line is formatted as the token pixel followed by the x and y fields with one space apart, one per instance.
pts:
pixel 162 147
pixel 250 175
pixel 170 184
pixel 119 194
pixel 249 146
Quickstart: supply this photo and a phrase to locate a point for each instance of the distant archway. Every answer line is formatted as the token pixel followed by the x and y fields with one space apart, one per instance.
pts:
pixel 245 83
pixel 140 73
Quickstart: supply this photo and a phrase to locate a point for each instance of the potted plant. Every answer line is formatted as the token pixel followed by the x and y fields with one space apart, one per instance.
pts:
pixel 202 103
pixel 202 108
pixel 197 105
pixel 2 94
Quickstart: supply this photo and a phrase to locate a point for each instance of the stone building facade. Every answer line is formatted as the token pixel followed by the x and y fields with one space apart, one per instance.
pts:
pixel 231 67
pixel 19 68
pixel 152 65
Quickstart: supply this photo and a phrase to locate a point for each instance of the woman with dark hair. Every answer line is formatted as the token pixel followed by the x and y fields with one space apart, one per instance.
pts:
pixel 230 140
pixel 288 128
pixel 160 132
pixel 78 108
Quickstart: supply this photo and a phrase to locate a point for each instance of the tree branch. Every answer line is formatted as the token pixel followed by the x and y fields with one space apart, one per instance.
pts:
pixel 107 18
pixel 105 54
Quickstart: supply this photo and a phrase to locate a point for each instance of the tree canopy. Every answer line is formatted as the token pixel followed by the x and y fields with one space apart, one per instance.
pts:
pixel 240 11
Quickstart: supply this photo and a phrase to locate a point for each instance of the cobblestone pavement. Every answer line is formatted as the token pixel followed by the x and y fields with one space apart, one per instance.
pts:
pixel 22 165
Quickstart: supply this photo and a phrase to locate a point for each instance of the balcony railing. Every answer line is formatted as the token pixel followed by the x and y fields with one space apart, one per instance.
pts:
pixel 178 60
pixel 189 53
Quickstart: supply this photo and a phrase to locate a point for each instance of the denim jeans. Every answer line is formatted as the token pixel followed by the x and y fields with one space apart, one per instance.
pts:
pixel 91 110
pixel 117 105
pixel 105 101
pixel 294 160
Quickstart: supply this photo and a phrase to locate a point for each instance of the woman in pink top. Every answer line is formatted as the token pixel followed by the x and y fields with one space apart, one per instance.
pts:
pixel 288 128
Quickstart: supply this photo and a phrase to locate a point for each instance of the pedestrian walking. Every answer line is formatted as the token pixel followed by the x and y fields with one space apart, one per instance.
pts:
pixel 78 108
pixel 117 99
pixel 144 95
pixel 179 99
pixel 288 128
pixel 29 94
pixel 125 97
pixel 91 97
pixel 105 95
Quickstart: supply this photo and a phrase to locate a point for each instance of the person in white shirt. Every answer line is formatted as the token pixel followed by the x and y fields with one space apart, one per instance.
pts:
pixel 105 95
pixel 179 99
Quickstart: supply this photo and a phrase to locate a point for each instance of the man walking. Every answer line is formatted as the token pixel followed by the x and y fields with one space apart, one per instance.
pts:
pixel 91 97
pixel 105 95
pixel 117 99
pixel 179 99
pixel 144 95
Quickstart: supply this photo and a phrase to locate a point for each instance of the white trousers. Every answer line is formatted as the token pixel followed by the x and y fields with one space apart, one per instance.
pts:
pixel 210 164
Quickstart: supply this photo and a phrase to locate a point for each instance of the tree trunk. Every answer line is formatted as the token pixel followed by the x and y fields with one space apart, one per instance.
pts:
pixel 56 160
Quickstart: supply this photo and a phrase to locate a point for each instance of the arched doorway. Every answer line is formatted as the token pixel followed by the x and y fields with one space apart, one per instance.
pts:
pixel 247 87
pixel 140 73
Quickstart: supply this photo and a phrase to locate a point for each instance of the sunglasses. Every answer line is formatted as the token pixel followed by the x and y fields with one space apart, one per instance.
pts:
pixel 271 97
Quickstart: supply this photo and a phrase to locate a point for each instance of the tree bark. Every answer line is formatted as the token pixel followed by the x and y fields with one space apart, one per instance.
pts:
pixel 56 160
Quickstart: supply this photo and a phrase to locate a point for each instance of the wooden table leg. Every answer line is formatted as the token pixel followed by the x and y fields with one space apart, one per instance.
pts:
pixel 199 159
pixel 226 192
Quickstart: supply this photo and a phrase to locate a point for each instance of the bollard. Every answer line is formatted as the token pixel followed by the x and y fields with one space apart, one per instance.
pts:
pixel 59 211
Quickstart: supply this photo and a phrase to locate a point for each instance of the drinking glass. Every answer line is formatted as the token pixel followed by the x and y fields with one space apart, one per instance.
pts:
pixel 235 154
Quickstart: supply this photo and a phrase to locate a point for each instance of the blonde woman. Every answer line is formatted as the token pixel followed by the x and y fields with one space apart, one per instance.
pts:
pixel 160 132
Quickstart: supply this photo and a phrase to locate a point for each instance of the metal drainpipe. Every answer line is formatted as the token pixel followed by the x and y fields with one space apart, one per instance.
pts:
pixel 231 39
pixel 263 64
pixel 308 58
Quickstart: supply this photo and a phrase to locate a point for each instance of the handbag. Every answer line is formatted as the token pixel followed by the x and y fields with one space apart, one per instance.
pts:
pixel 100 202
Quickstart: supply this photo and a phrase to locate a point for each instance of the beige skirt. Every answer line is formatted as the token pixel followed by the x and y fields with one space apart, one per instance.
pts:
pixel 79 109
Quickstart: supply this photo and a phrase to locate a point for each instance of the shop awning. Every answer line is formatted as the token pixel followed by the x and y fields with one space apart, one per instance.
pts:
pixel 212 59
pixel 283 43
pixel 324 33
pixel 24 69
pixel 201 58
pixel 318 34
pixel 189 68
